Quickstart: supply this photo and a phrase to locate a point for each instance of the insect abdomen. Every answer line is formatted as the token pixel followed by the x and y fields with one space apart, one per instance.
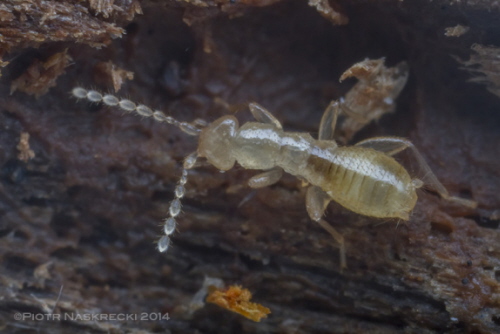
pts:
pixel 365 181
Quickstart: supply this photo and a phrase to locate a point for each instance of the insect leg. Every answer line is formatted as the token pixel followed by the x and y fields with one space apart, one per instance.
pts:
pixel 394 145
pixel 262 115
pixel 329 121
pixel 316 202
pixel 266 178
pixel 388 145
pixel 329 118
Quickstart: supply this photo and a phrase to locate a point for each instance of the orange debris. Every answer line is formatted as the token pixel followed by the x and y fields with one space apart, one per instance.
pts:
pixel 237 299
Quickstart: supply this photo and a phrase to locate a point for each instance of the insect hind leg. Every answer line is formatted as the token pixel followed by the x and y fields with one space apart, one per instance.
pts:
pixel 394 145
pixel 316 202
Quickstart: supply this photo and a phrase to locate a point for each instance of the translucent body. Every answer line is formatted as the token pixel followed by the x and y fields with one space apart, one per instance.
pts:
pixel 361 179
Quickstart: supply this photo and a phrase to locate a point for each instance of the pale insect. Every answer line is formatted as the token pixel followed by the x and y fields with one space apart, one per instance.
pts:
pixel 363 178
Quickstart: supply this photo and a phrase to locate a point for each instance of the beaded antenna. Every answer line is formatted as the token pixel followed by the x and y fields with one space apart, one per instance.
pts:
pixel 364 178
pixel 192 129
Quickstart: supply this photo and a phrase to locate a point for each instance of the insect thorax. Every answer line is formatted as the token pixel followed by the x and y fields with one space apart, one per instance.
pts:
pixel 263 146
pixel 215 142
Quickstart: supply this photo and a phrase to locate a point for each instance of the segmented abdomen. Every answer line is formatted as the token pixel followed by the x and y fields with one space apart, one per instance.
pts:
pixel 365 181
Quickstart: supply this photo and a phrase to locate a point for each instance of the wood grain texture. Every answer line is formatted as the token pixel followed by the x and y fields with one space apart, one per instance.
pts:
pixel 78 221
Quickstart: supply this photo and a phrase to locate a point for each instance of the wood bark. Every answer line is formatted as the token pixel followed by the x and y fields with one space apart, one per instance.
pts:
pixel 78 221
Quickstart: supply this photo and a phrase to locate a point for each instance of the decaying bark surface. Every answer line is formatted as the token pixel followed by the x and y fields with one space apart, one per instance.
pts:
pixel 80 217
